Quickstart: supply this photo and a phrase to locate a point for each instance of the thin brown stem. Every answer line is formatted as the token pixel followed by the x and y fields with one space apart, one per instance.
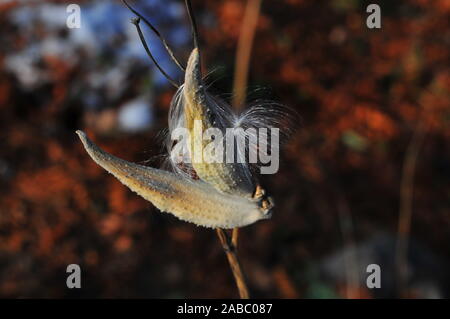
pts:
pixel 243 52
pixel 235 237
pixel 239 84
pixel 406 200
pixel 242 64
pixel 136 22
pixel 158 34
pixel 193 23
pixel 231 253
pixel 350 259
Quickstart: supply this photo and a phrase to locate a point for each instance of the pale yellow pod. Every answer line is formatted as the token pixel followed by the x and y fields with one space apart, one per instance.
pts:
pixel 193 201
pixel 232 178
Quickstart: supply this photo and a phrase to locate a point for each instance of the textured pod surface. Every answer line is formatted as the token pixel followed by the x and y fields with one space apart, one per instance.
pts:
pixel 192 201
pixel 233 178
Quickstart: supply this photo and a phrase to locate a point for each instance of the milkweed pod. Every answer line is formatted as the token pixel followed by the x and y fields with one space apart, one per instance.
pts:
pixel 193 104
pixel 193 201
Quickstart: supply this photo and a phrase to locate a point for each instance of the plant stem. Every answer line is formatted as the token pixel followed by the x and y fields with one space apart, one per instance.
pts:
pixel 243 52
pixel 406 201
pixel 235 237
pixel 231 253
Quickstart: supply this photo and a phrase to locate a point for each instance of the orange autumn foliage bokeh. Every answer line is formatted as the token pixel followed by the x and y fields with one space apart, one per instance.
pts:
pixel 361 94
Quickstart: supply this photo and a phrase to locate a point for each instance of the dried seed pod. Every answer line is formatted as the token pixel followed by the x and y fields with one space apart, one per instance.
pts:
pixel 192 104
pixel 230 172
pixel 193 201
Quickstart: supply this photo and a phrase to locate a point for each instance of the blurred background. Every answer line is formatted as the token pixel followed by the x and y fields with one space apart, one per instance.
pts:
pixel 370 163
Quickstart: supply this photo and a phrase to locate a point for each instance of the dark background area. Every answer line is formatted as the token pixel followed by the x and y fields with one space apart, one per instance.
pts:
pixel 363 96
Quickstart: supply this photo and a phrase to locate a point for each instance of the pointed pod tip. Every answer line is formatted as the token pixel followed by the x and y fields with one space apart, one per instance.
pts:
pixel 81 134
pixel 84 139
pixel 195 55
pixel 193 75
pixel 97 154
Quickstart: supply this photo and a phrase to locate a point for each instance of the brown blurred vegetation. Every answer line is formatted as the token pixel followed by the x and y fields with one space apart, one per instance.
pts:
pixel 360 93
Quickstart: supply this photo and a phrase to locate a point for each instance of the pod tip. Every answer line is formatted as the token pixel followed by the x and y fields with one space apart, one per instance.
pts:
pixel 82 136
